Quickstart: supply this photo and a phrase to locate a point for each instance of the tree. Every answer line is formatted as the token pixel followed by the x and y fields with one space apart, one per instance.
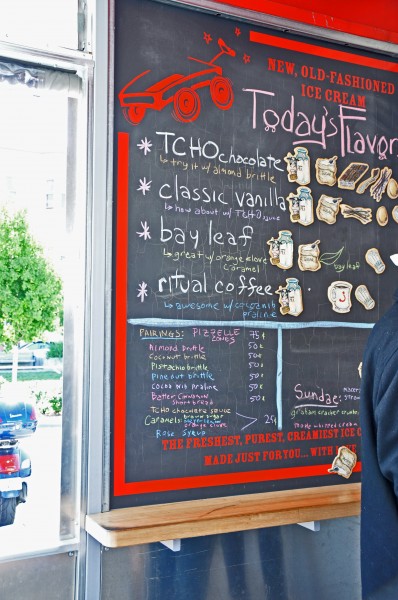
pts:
pixel 30 290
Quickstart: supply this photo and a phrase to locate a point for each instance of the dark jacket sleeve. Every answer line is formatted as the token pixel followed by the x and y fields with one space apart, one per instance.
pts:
pixel 386 421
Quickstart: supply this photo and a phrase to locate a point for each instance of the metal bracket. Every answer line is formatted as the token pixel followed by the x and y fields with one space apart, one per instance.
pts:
pixel 174 545
pixel 311 525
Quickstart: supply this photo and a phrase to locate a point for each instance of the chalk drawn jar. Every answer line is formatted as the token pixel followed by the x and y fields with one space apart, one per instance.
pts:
pixel 303 166
pixel 295 296
pixel 306 206
pixel 285 249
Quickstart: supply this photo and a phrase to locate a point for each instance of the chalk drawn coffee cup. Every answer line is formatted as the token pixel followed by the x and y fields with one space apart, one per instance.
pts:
pixel 339 295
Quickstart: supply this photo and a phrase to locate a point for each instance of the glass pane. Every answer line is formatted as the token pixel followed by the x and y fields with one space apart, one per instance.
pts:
pixel 274 563
pixel 34 129
pixel 42 23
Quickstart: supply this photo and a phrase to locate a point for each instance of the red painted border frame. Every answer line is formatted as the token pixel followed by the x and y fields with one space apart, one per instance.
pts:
pixel 121 486
pixel 359 17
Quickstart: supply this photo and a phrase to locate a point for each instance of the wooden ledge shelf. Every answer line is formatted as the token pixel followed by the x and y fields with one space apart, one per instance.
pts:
pixel 144 524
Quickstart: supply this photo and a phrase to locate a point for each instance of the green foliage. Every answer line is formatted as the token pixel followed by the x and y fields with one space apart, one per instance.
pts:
pixel 30 290
pixel 48 399
pixel 56 350
pixel 56 404
pixel 48 405
pixel 33 375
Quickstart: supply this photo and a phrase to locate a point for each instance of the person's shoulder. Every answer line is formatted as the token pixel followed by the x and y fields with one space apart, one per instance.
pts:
pixel 383 340
pixel 389 321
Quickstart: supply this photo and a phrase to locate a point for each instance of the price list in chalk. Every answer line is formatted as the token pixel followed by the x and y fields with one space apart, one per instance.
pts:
pixel 257 372
pixel 191 389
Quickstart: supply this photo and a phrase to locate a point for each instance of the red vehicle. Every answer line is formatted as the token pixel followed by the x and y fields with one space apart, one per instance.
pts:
pixel 181 90
pixel 17 420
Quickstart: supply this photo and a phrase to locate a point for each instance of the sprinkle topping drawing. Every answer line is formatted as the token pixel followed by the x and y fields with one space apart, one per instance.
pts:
pixel 180 90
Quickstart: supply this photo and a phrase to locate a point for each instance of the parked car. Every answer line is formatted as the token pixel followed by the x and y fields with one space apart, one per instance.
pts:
pixel 32 353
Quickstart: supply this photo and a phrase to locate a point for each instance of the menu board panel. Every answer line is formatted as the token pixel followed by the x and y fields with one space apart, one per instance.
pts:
pixel 256 207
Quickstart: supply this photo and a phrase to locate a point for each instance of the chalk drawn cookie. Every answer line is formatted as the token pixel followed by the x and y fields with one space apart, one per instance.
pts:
pixel 326 170
pixel 301 206
pixel 374 259
pixel 392 189
pixel 351 175
pixel 363 186
pixel 298 166
pixel 290 298
pixel 363 296
pixel 382 216
pixel 328 209
pixel 380 185
pixel 281 250
pixel 394 213
pixel 364 215
pixel 344 462
pixel 339 295
pixel 308 256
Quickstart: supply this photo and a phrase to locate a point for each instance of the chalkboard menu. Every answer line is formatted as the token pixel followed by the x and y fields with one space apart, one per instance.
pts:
pixel 256 208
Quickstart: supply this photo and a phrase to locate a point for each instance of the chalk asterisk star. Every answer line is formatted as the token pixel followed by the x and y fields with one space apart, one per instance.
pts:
pixel 145 145
pixel 144 186
pixel 237 31
pixel 142 291
pixel 207 37
pixel 246 58
pixel 145 233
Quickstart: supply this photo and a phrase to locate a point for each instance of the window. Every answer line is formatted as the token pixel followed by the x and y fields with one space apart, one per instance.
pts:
pixel 41 24
pixel 40 154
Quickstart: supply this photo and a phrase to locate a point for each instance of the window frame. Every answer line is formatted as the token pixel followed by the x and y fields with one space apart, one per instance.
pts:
pixel 77 310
